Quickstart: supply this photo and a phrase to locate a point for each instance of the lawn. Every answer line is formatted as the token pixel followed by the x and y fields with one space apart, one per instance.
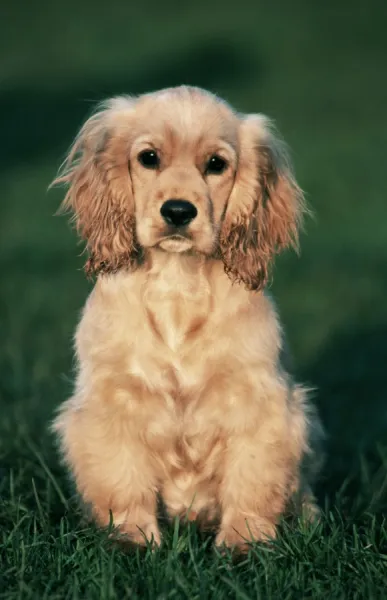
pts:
pixel 319 69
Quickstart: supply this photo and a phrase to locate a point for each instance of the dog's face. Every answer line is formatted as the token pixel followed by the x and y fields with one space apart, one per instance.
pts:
pixel 178 171
pixel 182 166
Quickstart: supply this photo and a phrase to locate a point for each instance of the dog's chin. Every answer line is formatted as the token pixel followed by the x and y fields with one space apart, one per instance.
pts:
pixel 176 244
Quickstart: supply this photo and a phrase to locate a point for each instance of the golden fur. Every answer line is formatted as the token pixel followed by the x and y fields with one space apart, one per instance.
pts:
pixel 181 393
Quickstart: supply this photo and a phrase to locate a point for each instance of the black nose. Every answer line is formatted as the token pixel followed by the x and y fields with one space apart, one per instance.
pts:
pixel 178 212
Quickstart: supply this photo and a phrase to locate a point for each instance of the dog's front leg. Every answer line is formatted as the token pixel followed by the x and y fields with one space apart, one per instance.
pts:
pixel 102 445
pixel 255 485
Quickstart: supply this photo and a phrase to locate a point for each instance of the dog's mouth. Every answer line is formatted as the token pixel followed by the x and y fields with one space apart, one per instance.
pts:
pixel 176 243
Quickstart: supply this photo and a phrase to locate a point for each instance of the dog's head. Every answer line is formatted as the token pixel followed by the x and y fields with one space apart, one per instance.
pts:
pixel 179 171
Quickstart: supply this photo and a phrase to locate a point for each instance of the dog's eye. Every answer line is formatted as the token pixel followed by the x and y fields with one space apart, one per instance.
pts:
pixel 216 165
pixel 149 159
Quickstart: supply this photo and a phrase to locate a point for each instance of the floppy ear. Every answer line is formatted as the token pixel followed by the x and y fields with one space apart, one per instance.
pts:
pixel 100 191
pixel 265 208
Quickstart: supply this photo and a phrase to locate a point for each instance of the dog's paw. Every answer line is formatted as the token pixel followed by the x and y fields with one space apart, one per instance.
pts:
pixel 310 512
pixel 239 534
pixel 141 535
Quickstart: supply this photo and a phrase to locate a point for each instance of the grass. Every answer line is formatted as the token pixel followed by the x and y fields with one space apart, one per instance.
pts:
pixel 57 559
pixel 318 69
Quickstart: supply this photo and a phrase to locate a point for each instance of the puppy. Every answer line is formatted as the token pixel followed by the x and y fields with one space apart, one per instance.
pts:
pixel 181 393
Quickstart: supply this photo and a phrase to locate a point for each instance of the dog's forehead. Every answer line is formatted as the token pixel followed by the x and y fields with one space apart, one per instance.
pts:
pixel 190 113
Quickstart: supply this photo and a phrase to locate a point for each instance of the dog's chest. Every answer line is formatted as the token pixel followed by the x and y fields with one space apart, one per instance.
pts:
pixel 176 308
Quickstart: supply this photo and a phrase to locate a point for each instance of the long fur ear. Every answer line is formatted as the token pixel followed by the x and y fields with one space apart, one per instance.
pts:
pixel 265 208
pixel 100 192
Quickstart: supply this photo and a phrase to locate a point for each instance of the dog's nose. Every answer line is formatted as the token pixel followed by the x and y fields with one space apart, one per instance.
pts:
pixel 178 212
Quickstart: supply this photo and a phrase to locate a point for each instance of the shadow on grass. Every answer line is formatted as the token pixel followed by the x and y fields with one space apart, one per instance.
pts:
pixel 351 376
pixel 40 123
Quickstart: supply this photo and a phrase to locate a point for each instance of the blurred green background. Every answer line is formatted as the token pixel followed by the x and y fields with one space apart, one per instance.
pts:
pixel 319 69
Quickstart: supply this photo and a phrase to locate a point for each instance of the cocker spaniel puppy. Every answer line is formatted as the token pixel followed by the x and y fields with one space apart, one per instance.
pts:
pixel 181 395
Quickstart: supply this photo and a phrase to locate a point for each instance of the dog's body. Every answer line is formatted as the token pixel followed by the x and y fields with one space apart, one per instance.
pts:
pixel 181 393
